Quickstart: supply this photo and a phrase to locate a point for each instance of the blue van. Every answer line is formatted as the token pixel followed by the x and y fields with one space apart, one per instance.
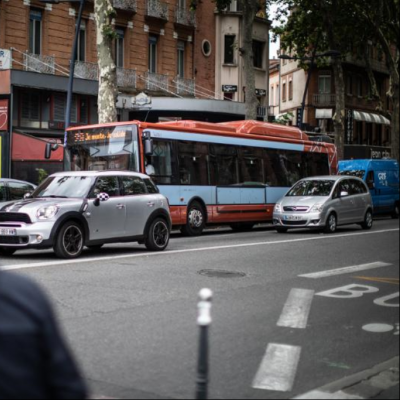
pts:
pixel 382 178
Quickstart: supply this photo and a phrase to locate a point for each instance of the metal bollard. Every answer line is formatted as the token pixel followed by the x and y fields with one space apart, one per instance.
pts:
pixel 204 321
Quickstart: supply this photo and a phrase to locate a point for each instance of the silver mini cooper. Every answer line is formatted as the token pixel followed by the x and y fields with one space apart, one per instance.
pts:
pixel 325 203
pixel 71 210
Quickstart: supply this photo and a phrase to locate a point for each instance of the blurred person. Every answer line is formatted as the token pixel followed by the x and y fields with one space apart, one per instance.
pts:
pixel 35 363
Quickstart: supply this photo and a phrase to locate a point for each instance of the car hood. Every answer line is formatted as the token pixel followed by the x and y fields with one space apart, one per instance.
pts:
pixel 306 201
pixel 31 206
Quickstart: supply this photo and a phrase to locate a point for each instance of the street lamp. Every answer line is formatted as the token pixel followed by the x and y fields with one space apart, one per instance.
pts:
pixel 329 53
pixel 73 59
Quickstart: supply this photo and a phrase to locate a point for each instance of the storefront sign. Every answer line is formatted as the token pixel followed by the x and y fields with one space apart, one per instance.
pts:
pixel 261 92
pixel 3 115
pixel 378 154
pixel 299 117
pixel 349 126
pixel 357 152
pixel 5 59
pixel 229 88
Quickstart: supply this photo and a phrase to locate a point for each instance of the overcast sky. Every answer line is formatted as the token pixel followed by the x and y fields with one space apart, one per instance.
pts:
pixel 273 46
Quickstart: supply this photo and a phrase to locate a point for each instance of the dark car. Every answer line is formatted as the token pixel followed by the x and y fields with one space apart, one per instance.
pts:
pixel 12 190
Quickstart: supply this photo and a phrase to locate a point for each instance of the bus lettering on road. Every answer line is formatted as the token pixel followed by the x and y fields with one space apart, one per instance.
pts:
pixel 349 292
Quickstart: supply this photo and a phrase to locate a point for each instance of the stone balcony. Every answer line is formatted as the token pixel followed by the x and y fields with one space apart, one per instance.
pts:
pixel 185 17
pixel 157 9
pixel 125 5
pixel 156 82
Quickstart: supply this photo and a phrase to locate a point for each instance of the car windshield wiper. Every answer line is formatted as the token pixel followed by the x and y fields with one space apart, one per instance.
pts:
pixel 54 197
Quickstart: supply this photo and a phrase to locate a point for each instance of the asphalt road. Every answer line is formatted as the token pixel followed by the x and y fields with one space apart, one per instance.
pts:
pixel 130 315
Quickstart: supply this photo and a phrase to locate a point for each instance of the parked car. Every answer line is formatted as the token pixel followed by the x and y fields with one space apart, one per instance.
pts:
pixel 382 178
pixel 325 203
pixel 11 190
pixel 71 210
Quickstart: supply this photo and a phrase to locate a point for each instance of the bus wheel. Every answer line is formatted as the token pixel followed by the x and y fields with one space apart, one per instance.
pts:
pixel 395 214
pixel 242 227
pixel 196 220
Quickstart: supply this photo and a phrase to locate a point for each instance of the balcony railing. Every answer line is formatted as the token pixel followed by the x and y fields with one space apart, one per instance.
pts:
pixel 185 87
pixel 39 63
pixel 157 9
pixel 85 70
pixel 126 5
pixel 126 78
pixel 185 17
pixel 379 66
pixel 324 99
pixel 156 82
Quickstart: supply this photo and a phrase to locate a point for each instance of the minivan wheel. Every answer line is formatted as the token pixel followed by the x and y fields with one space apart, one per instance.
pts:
pixel 331 225
pixel 70 241
pixel 7 251
pixel 196 220
pixel 158 235
pixel 368 221
pixel 395 214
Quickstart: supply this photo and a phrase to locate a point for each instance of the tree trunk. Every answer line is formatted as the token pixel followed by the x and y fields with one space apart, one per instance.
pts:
pixel 339 117
pixel 104 13
pixel 250 8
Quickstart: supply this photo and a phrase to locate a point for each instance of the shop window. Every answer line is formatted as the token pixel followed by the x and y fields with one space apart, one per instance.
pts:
pixel 30 106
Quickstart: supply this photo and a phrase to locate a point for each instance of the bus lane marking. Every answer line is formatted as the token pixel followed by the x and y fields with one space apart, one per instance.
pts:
pixel 278 368
pixel 297 309
pixel 346 270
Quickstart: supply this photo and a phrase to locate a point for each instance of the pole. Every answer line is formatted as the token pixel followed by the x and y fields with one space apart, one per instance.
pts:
pixel 72 72
pixel 204 321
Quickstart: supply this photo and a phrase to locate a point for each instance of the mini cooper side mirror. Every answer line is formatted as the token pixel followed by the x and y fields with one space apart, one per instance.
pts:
pixel 101 197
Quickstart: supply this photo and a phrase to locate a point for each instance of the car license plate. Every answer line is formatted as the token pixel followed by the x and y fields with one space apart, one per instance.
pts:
pixel 8 232
pixel 292 218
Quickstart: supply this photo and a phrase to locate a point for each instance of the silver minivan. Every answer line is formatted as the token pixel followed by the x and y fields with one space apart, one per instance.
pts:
pixel 325 203
pixel 71 210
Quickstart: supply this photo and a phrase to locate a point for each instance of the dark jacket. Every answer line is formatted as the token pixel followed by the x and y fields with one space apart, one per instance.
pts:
pixel 34 360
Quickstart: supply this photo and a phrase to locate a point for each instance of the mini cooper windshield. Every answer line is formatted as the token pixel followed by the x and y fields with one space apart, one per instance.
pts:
pixel 64 187
pixel 312 188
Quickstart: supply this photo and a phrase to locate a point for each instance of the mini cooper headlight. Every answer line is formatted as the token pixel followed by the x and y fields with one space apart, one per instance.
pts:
pixel 47 212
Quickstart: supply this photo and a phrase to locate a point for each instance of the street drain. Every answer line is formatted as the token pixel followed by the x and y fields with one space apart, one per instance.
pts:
pixel 215 273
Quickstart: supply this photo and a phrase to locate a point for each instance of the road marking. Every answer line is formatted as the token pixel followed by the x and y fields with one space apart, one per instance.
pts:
pixel 317 394
pixel 391 281
pixel 348 292
pixel 297 309
pixel 172 252
pixel 385 301
pixel 278 368
pixel 378 328
pixel 346 270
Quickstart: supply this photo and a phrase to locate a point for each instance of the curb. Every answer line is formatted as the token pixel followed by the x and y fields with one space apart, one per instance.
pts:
pixel 364 385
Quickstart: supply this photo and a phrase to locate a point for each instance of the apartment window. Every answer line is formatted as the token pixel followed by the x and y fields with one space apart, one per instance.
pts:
pixel 81 50
pixel 258 52
pixel 284 91
pixel 119 48
pixel 324 84
pixel 359 87
pixel 35 31
pixel 153 54
pixel 277 99
pixel 290 90
pixel 181 59
pixel 182 4
pixel 229 49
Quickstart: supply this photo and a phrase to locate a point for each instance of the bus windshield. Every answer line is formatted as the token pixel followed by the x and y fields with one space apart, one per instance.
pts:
pixel 107 148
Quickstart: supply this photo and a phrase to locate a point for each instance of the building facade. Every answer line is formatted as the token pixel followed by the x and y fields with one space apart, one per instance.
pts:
pixel 368 132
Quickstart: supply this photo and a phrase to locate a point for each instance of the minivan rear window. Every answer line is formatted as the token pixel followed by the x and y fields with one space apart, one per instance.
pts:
pixel 312 188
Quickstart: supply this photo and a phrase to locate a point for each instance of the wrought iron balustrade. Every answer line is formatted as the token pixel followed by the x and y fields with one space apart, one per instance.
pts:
pixel 39 63
pixel 156 82
pixel 126 78
pixel 157 9
pixel 324 99
pixel 185 17
pixel 185 87
pixel 85 70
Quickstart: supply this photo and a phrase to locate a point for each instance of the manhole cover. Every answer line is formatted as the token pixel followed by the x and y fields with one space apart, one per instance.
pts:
pixel 215 273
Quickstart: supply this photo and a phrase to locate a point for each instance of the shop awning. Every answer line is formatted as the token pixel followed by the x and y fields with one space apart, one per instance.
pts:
pixel 323 113
pixel 371 118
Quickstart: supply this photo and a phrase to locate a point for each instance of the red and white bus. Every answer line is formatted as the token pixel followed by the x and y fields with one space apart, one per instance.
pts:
pixel 228 173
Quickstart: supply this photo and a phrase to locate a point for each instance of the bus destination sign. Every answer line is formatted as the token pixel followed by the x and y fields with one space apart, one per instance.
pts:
pixel 83 137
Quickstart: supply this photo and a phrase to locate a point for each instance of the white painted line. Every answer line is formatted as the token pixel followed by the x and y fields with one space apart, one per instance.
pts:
pixel 378 328
pixel 297 309
pixel 166 253
pixel 346 270
pixel 278 368
pixel 317 394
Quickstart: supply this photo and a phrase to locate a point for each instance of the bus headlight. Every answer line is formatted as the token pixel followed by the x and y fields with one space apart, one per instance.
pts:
pixel 47 212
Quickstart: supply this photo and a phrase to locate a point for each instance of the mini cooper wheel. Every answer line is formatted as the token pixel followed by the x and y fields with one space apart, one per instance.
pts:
pixel 158 235
pixel 331 224
pixel 368 221
pixel 7 251
pixel 196 220
pixel 70 241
